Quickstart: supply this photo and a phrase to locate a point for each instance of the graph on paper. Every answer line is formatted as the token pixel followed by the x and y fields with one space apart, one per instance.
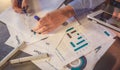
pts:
pixel 77 40
pixel 72 44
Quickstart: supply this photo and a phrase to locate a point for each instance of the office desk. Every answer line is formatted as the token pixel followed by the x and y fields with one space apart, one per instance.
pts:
pixel 110 60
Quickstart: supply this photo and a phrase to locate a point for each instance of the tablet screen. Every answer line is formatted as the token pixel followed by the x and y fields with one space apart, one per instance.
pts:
pixel 108 19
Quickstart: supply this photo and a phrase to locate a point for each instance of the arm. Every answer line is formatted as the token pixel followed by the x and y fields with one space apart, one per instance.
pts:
pixel 54 19
pixel 79 5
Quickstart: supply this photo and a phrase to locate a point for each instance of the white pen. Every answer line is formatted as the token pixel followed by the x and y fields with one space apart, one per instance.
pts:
pixel 30 58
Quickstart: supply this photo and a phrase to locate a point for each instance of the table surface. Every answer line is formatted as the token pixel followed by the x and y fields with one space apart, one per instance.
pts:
pixel 110 61
pixel 112 55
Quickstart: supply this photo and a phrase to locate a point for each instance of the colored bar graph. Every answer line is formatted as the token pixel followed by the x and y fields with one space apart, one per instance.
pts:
pixel 69 35
pixel 80 42
pixel 79 37
pixel 73 45
pixel 106 33
pixel 73 31
pixel 69 29
pixel 81 47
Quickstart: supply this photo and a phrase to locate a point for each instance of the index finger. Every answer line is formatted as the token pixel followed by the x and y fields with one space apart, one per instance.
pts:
pixel 119 15
pixel 37 27
pixel 19 3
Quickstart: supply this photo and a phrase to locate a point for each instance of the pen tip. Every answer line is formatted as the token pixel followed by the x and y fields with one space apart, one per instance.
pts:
pixel 37 18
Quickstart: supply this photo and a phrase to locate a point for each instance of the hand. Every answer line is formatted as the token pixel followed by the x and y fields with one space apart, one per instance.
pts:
pixel 116 14
pixel 118 0
pixel 18 8
pixel 53 20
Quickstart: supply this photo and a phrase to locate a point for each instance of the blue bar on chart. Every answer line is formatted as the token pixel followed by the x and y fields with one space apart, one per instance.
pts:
pixel 69 29
pixel 80 42
pixel 79 37
pixel 106 33
pixel 73 45
pixel 84 45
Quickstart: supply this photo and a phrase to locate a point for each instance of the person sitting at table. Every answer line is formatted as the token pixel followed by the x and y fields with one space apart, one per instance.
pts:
pixel 54 19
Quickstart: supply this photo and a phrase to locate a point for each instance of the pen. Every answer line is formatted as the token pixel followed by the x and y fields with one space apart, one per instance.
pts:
pixel 37 18
pixel 24 9
pixel 30 58
pixel 19 3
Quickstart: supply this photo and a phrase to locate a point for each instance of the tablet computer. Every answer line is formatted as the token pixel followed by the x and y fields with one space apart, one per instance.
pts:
pixel 105 19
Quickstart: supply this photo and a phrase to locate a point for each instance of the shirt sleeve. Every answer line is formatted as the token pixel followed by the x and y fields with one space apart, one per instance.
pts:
pixel 80 6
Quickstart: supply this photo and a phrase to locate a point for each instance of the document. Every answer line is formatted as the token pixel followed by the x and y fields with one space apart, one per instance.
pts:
pixel 65 44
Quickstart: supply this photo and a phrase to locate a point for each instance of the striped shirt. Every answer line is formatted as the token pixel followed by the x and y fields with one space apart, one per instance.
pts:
pixel 82 6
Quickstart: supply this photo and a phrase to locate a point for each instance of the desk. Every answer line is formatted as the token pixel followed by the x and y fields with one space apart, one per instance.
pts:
pixel 103 64
pixel 110 60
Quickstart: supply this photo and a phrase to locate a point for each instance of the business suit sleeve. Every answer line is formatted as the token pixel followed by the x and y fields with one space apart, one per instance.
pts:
pixel 80 6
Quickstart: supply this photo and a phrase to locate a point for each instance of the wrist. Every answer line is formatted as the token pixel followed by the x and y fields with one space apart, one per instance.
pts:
pixel 67 11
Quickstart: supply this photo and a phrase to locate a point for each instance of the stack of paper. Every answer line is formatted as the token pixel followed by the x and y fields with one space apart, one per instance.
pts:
pixel 65 44
pixel 84 44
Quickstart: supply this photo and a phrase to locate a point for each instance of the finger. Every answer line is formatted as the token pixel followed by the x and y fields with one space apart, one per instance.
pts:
pixel 19 3
pixel 43 22
pixel 119 16
pixel 48 30
pixel 37 27
pixel 24 4
pixel 40 23
pixel 114 14
pixel 17 6
pixel 51 28
pixel 41 30
pixel 15 3
pixel 18 10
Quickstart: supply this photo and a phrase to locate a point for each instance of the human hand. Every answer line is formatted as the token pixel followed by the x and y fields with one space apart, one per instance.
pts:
pixel 53 20
pixel 116 13
pixel 118 0
pixel 18 5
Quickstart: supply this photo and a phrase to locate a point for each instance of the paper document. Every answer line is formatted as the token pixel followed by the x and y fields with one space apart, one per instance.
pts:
pixel 65 44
